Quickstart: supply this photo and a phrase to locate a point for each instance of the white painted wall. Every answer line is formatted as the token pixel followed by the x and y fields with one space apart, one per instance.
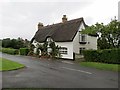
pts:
pixel 69 46
pixel 76 44
pixel 91 41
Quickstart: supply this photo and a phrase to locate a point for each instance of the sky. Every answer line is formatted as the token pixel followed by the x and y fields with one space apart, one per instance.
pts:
pixel 19 18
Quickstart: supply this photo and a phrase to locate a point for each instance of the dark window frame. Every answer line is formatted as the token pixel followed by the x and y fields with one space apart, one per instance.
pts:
pixel 81 50
pixel 82 39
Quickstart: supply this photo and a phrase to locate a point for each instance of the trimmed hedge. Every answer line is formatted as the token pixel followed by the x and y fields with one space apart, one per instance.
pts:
pixel 104 56
pixel 24 51
pixel 10 51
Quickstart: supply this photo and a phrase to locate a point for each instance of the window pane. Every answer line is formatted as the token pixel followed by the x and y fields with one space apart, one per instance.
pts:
pixel 83 38
pixel 63 50
pixel 81 51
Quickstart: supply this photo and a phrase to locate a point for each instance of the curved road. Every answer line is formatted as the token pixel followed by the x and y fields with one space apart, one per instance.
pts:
pixel 41 73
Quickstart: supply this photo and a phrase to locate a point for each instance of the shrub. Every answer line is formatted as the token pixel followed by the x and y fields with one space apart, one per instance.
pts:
pixel 30 53
pixel 24 51
pixel 10 51
pixel 105 56
pixel 110 56
pixel 91 55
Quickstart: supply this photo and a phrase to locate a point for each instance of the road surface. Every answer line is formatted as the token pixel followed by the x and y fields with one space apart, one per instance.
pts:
pixel 42 73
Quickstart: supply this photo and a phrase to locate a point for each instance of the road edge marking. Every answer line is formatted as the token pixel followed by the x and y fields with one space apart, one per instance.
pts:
pixel 77 70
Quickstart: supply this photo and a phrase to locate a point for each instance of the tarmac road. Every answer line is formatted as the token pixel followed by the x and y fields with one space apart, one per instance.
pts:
pixel 43 73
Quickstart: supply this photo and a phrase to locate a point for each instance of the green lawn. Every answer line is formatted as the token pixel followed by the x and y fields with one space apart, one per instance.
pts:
pixel 102 66
pixel 6 65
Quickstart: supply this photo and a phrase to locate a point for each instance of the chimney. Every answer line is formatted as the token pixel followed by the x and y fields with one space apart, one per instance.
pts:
pixel 64 19
pixel 40 25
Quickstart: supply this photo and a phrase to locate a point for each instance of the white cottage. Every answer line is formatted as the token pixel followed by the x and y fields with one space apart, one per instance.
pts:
pixel 67 35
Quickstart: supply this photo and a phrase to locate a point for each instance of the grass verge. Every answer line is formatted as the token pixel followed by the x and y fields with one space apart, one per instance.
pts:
pixel 6 65
pixel 102 66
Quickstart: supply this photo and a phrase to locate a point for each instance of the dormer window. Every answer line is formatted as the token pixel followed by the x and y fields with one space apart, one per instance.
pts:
pixel 82 39
pixel 49 40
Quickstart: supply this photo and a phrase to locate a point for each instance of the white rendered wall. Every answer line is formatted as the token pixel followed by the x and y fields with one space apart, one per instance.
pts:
pixel 76 44
pixel 91 42
pixel 69 46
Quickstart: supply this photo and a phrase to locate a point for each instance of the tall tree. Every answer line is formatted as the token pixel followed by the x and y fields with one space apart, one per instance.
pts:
pixel 109 35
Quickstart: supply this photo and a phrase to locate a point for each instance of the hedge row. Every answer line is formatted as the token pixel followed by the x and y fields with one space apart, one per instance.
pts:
pixel 105 56
pixel 21 51
pixel 10 51
pixel 24 51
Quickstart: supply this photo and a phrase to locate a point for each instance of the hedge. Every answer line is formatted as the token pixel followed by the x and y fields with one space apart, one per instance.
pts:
pixel 10 51
pixel 105 56
pixel 24 51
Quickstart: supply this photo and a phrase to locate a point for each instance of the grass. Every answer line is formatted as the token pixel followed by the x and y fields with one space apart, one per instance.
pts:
pixel 102 66
pixel 6 65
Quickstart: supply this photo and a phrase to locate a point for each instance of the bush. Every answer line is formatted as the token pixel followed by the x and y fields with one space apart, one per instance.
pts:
pixel 24 51
pixel 10 51
pixel 30 53
pixel 105 56
pixel 110 56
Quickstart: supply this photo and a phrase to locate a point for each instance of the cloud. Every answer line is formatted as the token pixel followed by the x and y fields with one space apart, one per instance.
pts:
pixel 19 19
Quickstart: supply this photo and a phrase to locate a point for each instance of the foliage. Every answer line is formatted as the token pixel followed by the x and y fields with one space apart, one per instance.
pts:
pixel 24 51
pixel 6 43
pixel 55 50
pixel 6 65
pixel 0 43
pixel 10 51
pixel 105 56
pixel 43 48
pixel 15 43
pixel 30 53
pixel 109 35
pixel 32 47
pixel 102 66
pixel 45 52
pixel 102 43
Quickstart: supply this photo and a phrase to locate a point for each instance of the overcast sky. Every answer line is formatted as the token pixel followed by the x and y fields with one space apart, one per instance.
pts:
pixel 20 19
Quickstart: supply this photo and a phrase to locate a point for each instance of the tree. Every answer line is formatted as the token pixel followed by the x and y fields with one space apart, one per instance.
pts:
pixel 102 43
pixel 55 50
pixel 15 43
pixel 6 43
pixel 109 35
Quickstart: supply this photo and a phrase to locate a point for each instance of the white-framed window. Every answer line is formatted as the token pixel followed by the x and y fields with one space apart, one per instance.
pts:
pixel 63 50
pixel 81 50
pixel 82 39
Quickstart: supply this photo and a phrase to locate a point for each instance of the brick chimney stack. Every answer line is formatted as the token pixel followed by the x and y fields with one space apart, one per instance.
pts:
pixel 40 25
pixel 64 19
